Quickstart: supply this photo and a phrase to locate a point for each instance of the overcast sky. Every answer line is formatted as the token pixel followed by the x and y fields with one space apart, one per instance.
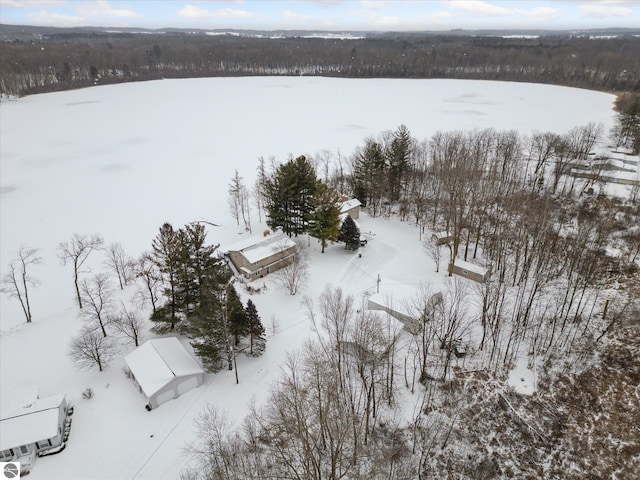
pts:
pixel 325 14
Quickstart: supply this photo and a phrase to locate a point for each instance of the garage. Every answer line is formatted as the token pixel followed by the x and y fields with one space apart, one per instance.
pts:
pixel 163 369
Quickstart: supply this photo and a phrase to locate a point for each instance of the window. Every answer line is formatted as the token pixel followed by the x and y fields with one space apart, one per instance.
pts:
pixel 6 453
pixel 43 443
pixel 23 449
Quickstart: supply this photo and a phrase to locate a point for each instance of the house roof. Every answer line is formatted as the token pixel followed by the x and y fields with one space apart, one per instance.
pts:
pixel 472 267
pixel 349 205
pixel 37 421
pixel 258 248
pixel 157 362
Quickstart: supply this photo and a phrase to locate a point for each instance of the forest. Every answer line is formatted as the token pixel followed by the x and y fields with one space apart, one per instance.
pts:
pixel 60 59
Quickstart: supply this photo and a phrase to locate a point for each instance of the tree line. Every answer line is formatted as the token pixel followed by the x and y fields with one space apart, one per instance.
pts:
pixel 61 61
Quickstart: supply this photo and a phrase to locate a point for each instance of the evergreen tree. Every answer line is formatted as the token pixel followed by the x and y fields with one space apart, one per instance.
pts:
pixel 349 234
pixel 398 155
pixel 166 255
pixel 325 224
pixel 290 192
pixel 370 175
pixel 207 329
pixel 200 267
pixel 238 321
pixel 257 339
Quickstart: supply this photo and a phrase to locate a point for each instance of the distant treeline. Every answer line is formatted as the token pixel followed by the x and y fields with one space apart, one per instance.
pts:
pixel 62 61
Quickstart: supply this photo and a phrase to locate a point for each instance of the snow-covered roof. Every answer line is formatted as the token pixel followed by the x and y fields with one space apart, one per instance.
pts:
pixel 472 267
pixel 35 422
pixel 349 204
pixel 157 362
pixel 258 248
pixel 400 305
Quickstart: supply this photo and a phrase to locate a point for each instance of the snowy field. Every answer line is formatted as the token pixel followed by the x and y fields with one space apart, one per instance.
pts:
pixel 121 160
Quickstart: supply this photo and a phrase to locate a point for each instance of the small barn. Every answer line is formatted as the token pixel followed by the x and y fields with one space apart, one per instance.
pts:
pixel 469 270
pixel 162 369
pixel 256 257
pixel 351 207
pixel 39 428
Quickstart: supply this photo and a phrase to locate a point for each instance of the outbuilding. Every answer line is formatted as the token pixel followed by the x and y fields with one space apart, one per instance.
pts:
pixel 162 369
pixel 350 206
pixel 469 270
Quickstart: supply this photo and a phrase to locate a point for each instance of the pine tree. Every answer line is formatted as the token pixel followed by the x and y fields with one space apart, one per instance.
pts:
pixel 349 234
pixel 290 192
pixel 166 255
pixel 207 330
pixel 370 175
pixel 257 339
pixel 325 224
pixel 398 155
pixel 238 321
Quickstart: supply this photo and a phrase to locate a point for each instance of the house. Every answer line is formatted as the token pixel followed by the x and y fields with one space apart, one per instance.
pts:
pixel 39 428
pixel 258 256
pixel 162 369
pixel 469 270
pixel 441 238
pixel 350 207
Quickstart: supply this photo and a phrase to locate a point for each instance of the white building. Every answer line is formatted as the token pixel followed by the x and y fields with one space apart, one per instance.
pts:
pixel 163 370
pixel 40 427
pixel 350 207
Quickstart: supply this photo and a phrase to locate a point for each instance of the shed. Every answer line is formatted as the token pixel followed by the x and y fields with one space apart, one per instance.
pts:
pixel 441 238
pixel 163 370
pixel 258 256
pixel 469 270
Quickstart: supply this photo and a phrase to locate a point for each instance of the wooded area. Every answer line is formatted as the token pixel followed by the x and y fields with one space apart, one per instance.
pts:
pixel 61 60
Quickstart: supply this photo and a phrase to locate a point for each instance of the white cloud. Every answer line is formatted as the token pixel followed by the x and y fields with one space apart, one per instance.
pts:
pixel 189 11
pixel 47 18
pixel 296 16
pixel 232 13
pixel 478 7
pixel 545 13
pixel 604 11
pixel 374 4
pixel 27 4
pixel 103 8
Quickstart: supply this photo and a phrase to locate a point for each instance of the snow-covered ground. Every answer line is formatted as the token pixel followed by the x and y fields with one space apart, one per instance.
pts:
pixel 121 160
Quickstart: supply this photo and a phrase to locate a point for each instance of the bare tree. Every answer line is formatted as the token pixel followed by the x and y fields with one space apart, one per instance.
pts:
pixel 96 294
pixel 434 250
pixel 16 283
pixel 90 348
pixel 128 323
pixel 76 251
pixel 147 270
pixel 293 276
pixel 121 263
pixel 234 196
